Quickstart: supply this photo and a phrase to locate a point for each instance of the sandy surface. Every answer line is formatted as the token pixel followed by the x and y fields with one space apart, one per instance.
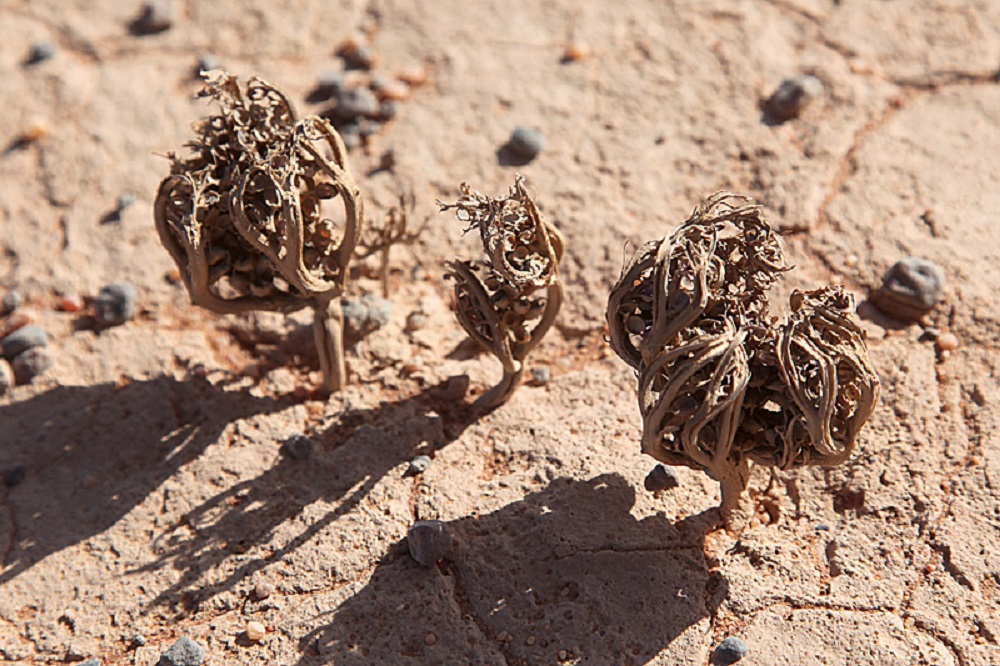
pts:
pixel 156 497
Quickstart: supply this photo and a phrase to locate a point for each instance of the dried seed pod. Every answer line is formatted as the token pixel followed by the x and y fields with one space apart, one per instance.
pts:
pixel 720 381
pixel 246 208
pixel 520 284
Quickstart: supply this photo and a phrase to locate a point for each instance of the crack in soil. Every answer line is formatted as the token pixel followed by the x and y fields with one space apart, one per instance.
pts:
pixel 461 598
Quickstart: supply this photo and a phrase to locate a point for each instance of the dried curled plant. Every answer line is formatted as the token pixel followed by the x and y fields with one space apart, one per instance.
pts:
pixel 244 215
pixel 392 231
pixel 721 382
pixel 507 304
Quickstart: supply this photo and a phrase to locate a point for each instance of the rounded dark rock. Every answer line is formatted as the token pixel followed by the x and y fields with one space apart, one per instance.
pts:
pixel 730 650
pixel 185 652
pixel 15 475
pixel 23 339
pixel 11 301
pixel 792 97
pixel 208 61
pixel 298 447
pixel 540 375
pixel 911 289
pixel 419 465
pixel 429 541
pixel 115 304
pixel 328 84
pixel 355 103
pixel 32 363
pixel 526 142
pixel 661 478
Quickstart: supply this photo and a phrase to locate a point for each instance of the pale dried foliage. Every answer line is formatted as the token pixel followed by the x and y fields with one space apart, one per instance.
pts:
pixel 507 303
pixel 721 382
pixel 243 215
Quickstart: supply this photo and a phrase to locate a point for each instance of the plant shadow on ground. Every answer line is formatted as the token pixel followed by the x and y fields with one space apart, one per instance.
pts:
pixel 93 453
pixel 568 568
pixel 348 460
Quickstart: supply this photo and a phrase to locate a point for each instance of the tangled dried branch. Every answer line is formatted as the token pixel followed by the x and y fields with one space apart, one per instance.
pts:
pixel 392 231
pixel 244 216
pixel 508 303
pixel 721 382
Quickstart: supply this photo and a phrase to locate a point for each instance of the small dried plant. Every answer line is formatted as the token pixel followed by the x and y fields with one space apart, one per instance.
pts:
pixel 507 304
pixel 243 216
pixel 721 382
pixel 392 231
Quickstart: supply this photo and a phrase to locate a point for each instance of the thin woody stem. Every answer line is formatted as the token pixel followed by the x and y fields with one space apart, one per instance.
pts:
pixel 328 329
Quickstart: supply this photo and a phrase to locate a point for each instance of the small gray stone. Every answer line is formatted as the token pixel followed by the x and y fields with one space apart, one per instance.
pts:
pixel 138 641
pixel 11 301
pixel 328 84
pixel 91 662
pixel 298 447
pixel 360 56
pixel 540 375
pixel 418 465
pixel 157 16
pixel 125 200
pixel 6 375
pixel 354 103
pixel 208 61
pixel 185 652
pixel 15 475
pixel 526 142
pixel 115 304
pixel 661 478
pixel 23 339
pixel 416 321
pixel 911 289
pixel 365 315
pixel 822 527
pixel 32 363
pixel 40 52
pixel 792 97
pixel 730 651
pixel 429 541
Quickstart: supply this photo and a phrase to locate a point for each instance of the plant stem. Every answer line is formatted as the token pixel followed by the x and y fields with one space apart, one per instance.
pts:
pixel 500 393
pixel 328 330
pixel 736 507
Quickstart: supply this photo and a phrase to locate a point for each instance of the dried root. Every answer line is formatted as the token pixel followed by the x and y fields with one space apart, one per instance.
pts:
pixel 507 304
pixel 243 216
pixel 720 381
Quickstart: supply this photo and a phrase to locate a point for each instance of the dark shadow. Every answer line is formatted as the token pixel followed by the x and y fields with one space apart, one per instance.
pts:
pixel 507 156
pixel 565 569
pixel 91 454
pixel 465 350
pixel 111 216
pixel 348 458
pixel 869 312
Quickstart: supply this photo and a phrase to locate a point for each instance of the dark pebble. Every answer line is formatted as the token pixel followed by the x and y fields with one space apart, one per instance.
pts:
pixel 361 56
pixel 156 16
pixel 526 142
pixel 661 478
pixel 327 85
pixel 792 97
pixel 298 447
pixel 138 641
pixel 429 541
pixel 388 109
pixel 185 652
pixel 32 363
pixel 418 465
pixel 15 475
pixel 11 301
pixel 23 339
pixel 115 304
pixel 40 52
pixel 822 527
pixel 540 375
pixel 355 103
pixel 911 289
pixel 730 651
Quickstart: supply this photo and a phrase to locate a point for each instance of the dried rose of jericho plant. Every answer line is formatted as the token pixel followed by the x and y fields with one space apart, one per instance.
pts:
pixel 721 382
pixel 510 308
pixel 243 216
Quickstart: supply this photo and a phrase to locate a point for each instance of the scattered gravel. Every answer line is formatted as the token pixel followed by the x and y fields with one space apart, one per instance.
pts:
pixel 115 304
pixel 15 475
pixel 429 541
pixel 40 52
pixel 32 363
pixel 911 289
pixel 526 142
pixel 185 652
pixel 661 478
pixel 11 301
pixel 540 375
pixel 298 447
pixel 792 97
pixel 418 465
pixel 730 651
pixel 23 339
